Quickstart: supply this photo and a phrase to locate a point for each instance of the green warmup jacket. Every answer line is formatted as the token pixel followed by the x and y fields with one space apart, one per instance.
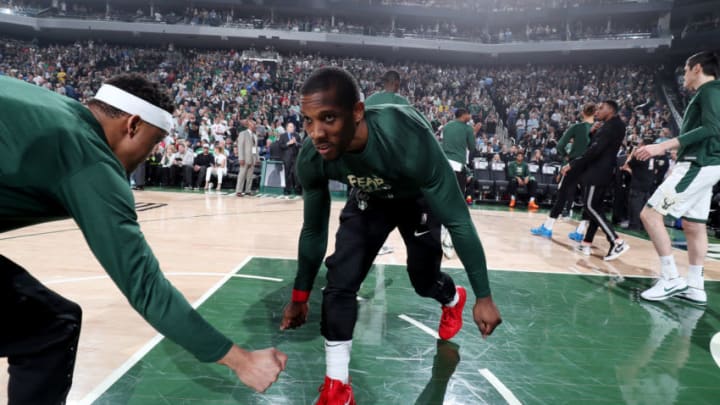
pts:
pixel 580 134
pixel 518 170
pixel 458 139
pixel 700 133
pixel 402 159
pixel 55 163
pixel 386 97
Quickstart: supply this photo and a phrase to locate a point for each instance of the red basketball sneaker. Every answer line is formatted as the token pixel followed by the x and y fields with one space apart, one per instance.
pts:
pixel 334 392
pixel 451 319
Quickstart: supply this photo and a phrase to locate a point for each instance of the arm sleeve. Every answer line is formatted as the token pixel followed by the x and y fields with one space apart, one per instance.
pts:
pixel 470 140
pixel 440 189
pixel 314 234
pixel 601 142
pixel 709 119
pixel 564 140
pixel 101 203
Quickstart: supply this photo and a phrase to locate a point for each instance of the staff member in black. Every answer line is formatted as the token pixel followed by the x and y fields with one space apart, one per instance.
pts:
pixel 596 168
pixel 642 184
pixel 289 143
pixel 580 135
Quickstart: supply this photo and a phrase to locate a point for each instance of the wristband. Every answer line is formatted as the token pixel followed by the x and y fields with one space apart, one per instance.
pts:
pixel 300 296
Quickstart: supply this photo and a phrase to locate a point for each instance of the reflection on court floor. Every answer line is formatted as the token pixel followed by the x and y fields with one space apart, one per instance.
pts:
pixel 565 339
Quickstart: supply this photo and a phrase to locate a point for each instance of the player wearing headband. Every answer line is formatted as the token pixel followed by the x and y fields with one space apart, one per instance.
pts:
pixel 60 159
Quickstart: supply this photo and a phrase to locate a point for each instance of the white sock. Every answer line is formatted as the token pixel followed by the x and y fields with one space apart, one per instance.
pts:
pixel 532 199
pixel 549 223
pixel 512 197
pixel 454 301
pixel 667 267
pixel 581 227
pixel 695 277
pixel 337 360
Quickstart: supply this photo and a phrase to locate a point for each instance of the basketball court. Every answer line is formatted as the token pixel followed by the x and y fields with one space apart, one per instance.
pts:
pixel 574 327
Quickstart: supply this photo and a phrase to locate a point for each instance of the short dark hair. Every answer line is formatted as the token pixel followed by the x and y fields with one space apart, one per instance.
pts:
pixel 138 86
pixel 391 76
pixel 709 62
pixel 338 80
pixel 613 104
pixel 460 112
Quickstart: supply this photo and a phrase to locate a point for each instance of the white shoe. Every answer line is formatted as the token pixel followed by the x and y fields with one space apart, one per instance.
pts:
pixel 664 289
pixel 385 249
pixel 583 249
pixel 616 250
pixel 694 295
pixel 447 244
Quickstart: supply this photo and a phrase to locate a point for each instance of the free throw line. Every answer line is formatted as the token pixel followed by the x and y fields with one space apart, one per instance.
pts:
pixel 419 325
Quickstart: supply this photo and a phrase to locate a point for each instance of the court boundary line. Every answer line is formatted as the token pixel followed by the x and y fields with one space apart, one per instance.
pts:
pixel 560 272
pixel 172 274
pixel 569 272
pixel 116 374
pixel 453 267
pixel 509 397
pixel 564 272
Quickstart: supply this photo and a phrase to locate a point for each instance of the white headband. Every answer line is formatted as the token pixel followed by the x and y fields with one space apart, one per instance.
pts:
pixel 132 104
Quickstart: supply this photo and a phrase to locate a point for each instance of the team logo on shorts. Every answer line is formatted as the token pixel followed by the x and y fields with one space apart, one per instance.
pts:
pixel 667 203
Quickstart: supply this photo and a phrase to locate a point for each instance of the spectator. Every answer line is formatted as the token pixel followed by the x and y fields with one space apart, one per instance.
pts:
pixel 248 156
pixel 289 144
pixel 184 161
pixel 217 168
pixel 202 162
pixel 518 176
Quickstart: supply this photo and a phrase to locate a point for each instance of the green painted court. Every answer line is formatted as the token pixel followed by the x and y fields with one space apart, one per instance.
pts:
pixel 566 339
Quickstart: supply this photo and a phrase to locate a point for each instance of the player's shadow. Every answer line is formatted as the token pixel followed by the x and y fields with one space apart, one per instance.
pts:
pixel 445 361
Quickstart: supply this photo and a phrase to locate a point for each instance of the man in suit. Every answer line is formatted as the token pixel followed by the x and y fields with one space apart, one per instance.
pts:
pixel 248 156
pixel 290 143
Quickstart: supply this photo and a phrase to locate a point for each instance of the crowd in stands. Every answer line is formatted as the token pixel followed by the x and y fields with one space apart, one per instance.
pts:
pixel 541 101
pixel 498 5
pixel 705 23
pixel 464 5
pixel 513 108
pixel 441 29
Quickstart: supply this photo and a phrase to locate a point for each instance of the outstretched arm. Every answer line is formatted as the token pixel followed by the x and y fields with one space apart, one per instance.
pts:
pixel 99 200
pixel 312 244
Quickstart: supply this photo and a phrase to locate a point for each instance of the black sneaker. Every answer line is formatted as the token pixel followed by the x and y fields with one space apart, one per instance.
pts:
pixel 616 250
